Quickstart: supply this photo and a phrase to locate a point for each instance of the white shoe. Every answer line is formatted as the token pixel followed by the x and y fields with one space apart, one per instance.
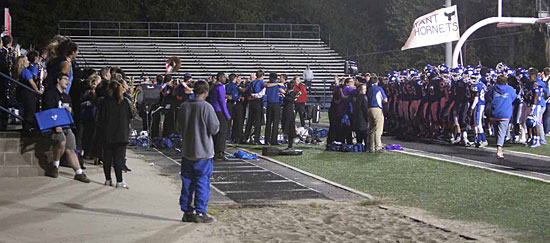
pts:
pixel 483 144
pixel 122 185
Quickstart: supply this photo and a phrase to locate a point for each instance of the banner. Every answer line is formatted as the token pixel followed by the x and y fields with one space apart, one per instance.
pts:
pixel 437 27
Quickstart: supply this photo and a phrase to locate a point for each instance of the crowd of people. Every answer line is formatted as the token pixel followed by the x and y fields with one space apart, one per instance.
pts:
pixel 446 103
pixel 100 105
pixel 235 100
pixel 437 102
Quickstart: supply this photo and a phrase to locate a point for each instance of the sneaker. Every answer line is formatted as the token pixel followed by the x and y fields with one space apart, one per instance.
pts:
pixel 108 183
pixel 188 217
pixel 54 172
pixel 203 218
pixel 534 145
pixel 483 144
pixel 82 177
pixel 500 156
pixel 122 185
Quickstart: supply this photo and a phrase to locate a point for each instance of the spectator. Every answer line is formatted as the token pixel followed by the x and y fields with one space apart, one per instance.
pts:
pixel 255 105
pixel 545 76
pixel 502 108
pixel 89 110
pixel 55 97
pixel 376 98
pixel 199 122
pixel 308 77
pixel 26 97
pixel 169 103
pixel 7 61
pixel 301 94
pixel 216 98
pixel 66 52
pixel 289 126
pixel 359 116
pixel 114 117
pixel 273 93
pixel 234 105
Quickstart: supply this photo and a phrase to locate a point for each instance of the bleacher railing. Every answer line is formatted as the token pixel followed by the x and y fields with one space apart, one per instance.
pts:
pixel 10 79
pixel 188 29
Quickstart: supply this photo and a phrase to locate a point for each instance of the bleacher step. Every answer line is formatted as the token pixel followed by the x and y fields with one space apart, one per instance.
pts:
pixel 24 155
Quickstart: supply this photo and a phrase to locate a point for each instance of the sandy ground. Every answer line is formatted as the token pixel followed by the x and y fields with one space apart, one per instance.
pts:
pixel 42 209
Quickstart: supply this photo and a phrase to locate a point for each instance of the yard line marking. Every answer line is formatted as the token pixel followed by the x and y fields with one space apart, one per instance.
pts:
pixel 366 195
pixel 289 190
pixel 473 163
pixel 178 163
pixel 240 171
pixel 248 182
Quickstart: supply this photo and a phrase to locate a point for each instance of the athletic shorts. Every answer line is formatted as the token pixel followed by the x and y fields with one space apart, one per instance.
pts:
pixel 66 136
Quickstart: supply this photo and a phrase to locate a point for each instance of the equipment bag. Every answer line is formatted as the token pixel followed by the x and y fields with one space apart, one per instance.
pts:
pixel 56 117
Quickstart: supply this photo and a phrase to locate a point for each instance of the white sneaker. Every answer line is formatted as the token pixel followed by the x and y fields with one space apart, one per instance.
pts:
pixel 483 144
pixel 122 185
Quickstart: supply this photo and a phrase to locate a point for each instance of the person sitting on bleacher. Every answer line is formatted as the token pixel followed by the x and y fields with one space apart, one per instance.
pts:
pixel 55 97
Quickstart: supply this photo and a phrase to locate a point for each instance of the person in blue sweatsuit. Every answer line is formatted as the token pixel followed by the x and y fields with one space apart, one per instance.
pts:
pixel 198 123
pixel 502 108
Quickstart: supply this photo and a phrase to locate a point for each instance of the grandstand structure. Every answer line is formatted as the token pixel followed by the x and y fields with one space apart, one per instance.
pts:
pixel 142 48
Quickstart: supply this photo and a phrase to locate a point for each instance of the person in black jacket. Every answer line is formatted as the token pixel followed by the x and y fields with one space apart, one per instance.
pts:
pixel 359 120
pixel 289 127
pixel 114 116
pixel 55 97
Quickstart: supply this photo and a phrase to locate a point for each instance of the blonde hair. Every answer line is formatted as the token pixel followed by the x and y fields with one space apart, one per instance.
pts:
pixel 92 79
pixel 19 66
pixel 52 46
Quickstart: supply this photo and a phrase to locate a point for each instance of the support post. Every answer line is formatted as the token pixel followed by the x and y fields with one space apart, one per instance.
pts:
pixel 448 45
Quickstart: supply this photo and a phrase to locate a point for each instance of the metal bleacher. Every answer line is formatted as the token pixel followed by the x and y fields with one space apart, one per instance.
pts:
pixel 206 55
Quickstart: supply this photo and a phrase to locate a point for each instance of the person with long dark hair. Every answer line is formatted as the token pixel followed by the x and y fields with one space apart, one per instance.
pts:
pixel 114 117
pixel 66 52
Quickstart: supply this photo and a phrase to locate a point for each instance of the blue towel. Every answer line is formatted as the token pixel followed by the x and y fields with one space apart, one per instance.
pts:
pixel 243 155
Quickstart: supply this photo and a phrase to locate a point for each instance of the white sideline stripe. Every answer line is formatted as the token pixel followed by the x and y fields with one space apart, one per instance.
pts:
pixel 178 163
pixel 248 182
pixel 471 164
pixel 289 190
pixel 366 195
pixel 518 153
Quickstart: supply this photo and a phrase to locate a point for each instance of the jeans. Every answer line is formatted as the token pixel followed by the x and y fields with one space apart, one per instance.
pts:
pixel 540 125
pixel 501 127
pixel 195 177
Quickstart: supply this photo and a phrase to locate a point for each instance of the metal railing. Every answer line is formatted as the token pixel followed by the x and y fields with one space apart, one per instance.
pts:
pixel 6 110
pixel 187 29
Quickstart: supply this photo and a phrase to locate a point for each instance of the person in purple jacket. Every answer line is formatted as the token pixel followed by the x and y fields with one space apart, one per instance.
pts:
pixel 216 98
pixel 502 107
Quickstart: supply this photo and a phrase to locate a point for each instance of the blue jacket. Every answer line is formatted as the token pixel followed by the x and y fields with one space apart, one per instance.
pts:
pixel 272 94
pixel 503 98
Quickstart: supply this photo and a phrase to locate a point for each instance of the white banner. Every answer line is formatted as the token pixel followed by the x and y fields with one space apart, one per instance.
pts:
pixel 437 27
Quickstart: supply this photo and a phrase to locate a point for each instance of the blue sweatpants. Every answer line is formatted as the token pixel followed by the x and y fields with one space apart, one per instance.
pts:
pixel 195 177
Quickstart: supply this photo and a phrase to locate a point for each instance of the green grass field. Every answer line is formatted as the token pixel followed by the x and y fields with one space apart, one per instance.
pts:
pixel 450 191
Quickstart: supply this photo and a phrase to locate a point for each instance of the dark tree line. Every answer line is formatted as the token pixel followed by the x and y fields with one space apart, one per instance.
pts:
pixel 367 31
